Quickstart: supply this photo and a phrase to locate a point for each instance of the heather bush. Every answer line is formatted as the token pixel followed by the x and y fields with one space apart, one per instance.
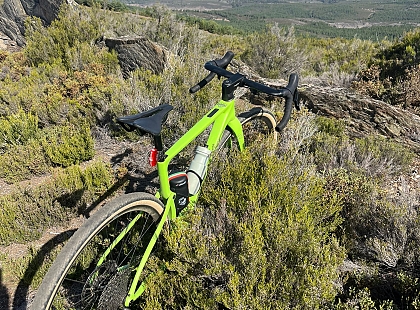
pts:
pixel 68 145
pixel 381 156
pixel 274 53
pixel 335 61
pixel 256 241
pixel 22 162
pixel 379 229
pixel 17 129
pixel 392 75
pixel 28 211
pixel 375 156
pixel 362 299
pixel 375 226
pixel 411 88
pixel 64 41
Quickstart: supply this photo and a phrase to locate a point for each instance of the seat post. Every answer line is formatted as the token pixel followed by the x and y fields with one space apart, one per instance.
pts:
pixel 158 142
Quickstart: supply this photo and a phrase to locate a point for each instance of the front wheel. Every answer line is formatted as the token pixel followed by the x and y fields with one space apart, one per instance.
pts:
pixel 94 269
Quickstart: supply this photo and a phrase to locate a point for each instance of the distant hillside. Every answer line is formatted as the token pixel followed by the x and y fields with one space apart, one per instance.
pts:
pixel 368 19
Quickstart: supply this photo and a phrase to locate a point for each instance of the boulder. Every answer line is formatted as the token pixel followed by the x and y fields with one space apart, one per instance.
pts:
pixel 363 115
pixel 137 52
pixel 12 18
pixel 14 12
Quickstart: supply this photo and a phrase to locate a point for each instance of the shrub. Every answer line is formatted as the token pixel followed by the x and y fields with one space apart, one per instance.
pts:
pixel 383 155
pixel 17 129
pixel 27 212
pixel 331 126
pixel 274 53
pixel 369 83
pixel 381 290
pixel 335 61
pixel 411 88
pixel 392 75
pixel 22 162
pixel 68 145
pixel 64 40
pixel 263 238
pixel 380 232
pixel 362 299
pixel 374 156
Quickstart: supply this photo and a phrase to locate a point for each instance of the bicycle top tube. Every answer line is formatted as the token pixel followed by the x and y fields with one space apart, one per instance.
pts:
pixel 218 67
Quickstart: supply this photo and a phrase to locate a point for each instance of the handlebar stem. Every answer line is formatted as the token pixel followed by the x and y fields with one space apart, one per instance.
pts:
pixel 229 86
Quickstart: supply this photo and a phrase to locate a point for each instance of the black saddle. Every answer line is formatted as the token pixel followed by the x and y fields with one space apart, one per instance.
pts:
pixel 147 122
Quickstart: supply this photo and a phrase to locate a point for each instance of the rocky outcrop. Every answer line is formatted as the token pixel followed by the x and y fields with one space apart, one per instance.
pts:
pixel 47 10
pixel 363 115
pixel 137 52
pixel 13 14
pixel 12 18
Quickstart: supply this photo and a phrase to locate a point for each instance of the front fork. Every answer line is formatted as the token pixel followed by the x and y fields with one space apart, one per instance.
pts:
pixel 136 288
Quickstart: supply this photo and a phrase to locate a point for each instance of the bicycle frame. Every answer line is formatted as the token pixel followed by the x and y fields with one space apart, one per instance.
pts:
pixel 140 217
pixel 222 117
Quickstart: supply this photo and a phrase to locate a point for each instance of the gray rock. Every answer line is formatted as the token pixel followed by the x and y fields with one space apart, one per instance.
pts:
pixel 13 14
pixel 137 52
pixel 363 115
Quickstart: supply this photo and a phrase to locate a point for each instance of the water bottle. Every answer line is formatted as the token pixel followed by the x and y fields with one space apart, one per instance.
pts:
pixel 198 168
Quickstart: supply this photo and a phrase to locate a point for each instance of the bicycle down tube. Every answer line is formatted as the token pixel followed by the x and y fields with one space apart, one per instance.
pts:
pixel 221 116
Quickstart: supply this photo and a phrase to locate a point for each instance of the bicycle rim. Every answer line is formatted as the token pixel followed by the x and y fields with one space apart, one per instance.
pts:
pixel 96 266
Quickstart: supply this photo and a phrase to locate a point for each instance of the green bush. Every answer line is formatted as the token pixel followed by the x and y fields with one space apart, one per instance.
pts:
pixel 380 232
pixel 65 41
pixel 382 149
pixel 27 212
pixel 330 126
pixel 68 145
pixel 17 129
pixel 362 299
pixel 335 60
pixel 392 75
pixel 22 162
pixel 381 290
pixel 374 156
pixel 262 239
pixel 274 53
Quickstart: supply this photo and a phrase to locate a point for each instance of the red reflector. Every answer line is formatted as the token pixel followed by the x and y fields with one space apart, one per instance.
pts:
pixel 153 157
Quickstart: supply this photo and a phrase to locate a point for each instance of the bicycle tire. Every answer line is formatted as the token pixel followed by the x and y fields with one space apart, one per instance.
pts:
pixel 257 121
pixel 74 283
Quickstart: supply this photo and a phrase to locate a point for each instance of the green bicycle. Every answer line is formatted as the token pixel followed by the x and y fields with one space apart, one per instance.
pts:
pixel 104 265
